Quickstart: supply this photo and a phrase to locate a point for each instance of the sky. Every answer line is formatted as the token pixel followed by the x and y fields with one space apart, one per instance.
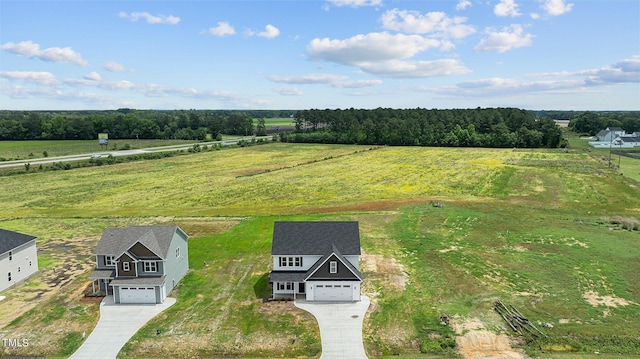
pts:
pixel 303 54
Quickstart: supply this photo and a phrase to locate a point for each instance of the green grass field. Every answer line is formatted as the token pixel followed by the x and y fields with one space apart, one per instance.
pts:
pixel 553 232
pixel 15 150
pixel 279 121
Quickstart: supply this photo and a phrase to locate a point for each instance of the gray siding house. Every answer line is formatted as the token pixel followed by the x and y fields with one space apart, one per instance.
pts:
pixel 316 261
pixel 18 258
pixel 140 264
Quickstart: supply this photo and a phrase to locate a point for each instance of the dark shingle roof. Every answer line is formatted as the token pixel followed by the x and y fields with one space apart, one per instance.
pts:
pixel 315 238
pixel 115 241
pixel 10 240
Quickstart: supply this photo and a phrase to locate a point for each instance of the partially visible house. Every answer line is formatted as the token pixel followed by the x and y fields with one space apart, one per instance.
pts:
pixel 609 134
pixel 316 261
pixel 140 264
pixel 18 257
pixel 615 137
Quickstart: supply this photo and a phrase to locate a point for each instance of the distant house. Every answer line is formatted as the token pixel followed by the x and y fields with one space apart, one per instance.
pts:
pixel 18 258
pixel 316 261
pixel 140 264
pixel 615 137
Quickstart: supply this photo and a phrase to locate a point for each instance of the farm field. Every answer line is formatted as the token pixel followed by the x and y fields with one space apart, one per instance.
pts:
pixel 553 232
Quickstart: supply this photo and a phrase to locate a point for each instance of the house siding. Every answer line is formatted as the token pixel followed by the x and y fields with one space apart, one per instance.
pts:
pixel 307 262
pixel 140 251
pixel 324 273
pixel 20 257
pixel 176 268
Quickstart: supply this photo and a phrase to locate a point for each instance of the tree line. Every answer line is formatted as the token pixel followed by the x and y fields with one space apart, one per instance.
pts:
pixel 590 123
pixel 128 123
pixel 480 127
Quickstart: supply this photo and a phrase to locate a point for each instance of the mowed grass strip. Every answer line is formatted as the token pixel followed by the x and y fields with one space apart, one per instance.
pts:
pixel 10 150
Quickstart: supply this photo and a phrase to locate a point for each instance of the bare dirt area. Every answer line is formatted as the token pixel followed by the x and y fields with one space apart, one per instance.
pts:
pixel 49 282
pixel 388 271
pixel 608 301
pixel 475 341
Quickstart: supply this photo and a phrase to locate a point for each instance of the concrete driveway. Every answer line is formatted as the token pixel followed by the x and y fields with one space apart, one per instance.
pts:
pixel 340 327
pixel 117 324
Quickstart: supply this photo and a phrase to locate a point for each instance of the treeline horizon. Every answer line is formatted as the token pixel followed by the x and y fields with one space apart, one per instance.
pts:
pixel 481 127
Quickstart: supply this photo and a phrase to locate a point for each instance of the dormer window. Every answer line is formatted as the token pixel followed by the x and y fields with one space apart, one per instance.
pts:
pixel 125 266
pixel 333 267
pixel 109 261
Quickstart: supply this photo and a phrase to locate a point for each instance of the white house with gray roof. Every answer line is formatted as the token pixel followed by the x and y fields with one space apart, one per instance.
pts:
pixel 18 258
pixel 140 264
pixel 316 261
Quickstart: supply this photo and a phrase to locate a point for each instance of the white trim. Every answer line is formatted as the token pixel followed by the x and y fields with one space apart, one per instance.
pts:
pixel 358 279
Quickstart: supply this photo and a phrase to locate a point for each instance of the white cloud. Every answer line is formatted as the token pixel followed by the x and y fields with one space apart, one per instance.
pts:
pixel 510 37
pixel 30 49
pixel 337 81
pixel 269 32
pixel 289 91
pixel 371 47
pixel 435 23
pixel 93 76
pixel 506 8
pixel 357 83
pixel 556 7
pixel 223 29
pixel 415 69
pixel 115 67
pixel 151 19
pixel 39 77
pixel 535 15
pixel 463 4
pixel 308 79
pixel 355 3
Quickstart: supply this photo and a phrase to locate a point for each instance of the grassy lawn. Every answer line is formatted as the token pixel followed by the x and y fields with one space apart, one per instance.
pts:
pixel 537 229
pixel 279 121
pixel 15 150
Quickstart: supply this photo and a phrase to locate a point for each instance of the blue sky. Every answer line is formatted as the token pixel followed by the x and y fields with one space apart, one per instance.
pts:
pixel 262 54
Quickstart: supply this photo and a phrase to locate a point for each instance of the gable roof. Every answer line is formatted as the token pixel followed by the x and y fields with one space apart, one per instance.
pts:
pixel 336 254
pixel 315 238
pixel 11 240
pixel 116 241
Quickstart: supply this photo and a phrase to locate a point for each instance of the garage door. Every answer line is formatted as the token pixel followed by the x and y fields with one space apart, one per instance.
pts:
pixel 137 295
pixel 333 292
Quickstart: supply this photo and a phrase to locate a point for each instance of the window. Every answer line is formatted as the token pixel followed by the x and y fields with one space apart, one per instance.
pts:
pixel 150 266
pixel 290 261
pixel 333 267
pixel 18 269
pixel 285 286
pixel 10 255
pixel 9 276
pixel 125 266
pixel 178 252
pixel 29 263
pixel 108 261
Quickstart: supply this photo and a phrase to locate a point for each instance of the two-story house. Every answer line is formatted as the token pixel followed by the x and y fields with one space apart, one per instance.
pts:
pixel 140 264
pixel 316 261
pixel 18 258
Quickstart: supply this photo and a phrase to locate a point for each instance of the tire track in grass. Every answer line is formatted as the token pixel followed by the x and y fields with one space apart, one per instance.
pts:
pixel 215 323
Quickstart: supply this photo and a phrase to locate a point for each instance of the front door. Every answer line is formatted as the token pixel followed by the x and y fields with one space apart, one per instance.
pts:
pixel 301 287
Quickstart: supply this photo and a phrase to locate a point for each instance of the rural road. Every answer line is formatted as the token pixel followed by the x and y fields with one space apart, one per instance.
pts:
pixel 86 156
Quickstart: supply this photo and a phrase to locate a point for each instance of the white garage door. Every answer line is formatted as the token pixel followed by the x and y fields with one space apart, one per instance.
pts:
pixel 137 295
pixel 332 292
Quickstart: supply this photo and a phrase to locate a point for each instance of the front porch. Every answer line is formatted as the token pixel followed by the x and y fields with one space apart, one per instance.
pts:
pixel 100 281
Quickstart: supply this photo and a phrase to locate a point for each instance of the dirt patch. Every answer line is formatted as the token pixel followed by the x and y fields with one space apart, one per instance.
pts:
pixel 475 341
pixel 387 270
pixel 609 301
